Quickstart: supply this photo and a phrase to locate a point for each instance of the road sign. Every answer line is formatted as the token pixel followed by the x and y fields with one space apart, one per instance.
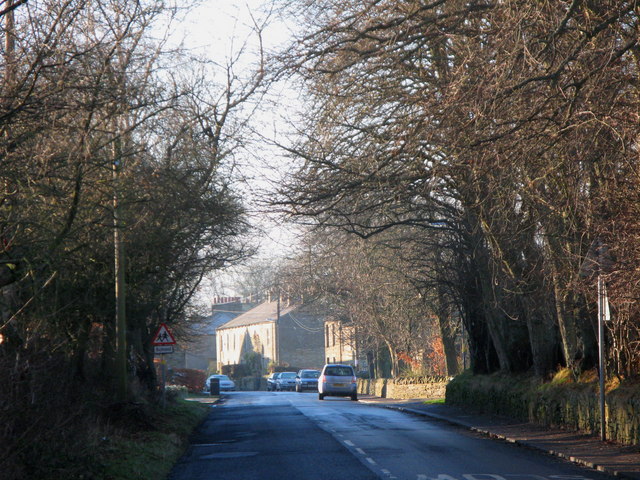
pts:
pixel 163 337
pixel 163 349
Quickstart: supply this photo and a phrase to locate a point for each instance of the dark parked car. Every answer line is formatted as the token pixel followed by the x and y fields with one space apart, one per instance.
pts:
pixel 338 381
pixel 286 381
pixel 271 381
pixel 307 380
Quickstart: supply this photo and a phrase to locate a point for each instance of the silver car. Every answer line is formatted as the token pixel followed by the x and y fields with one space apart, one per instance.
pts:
pixel 286 381
pixel 338 381
pixel 271 381
pixel 226 384
pixel 307 380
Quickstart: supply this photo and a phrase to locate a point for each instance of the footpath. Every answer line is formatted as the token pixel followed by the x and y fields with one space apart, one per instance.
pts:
pixel 586 450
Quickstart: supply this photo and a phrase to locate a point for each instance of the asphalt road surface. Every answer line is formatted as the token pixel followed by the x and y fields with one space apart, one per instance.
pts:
pixel 288 435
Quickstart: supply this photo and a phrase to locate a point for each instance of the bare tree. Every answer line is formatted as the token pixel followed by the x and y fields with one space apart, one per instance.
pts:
pixel 446 112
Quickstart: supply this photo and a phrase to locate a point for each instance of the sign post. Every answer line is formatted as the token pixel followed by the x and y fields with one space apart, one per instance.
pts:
pixel 597 263
pixel 603 316
pixel 163 343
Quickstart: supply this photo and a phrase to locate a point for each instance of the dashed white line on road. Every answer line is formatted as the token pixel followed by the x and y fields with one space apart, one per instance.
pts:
pixel 371 460
pixel 350 443
pixel 360 451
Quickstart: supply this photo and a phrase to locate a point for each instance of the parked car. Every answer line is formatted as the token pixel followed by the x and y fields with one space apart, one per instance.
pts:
pixel 286 381
pixel 337 381
pixel 226 384
pixel 307 380
pixel 271 381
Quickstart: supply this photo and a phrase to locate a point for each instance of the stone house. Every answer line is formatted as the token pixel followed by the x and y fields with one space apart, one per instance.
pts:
pixel 199 351
pixel 279 333
pixel 340 345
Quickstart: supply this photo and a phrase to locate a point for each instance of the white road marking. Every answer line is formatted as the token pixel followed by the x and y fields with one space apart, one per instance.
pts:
pixel 360 451
pixel 350 443
pixel 371 461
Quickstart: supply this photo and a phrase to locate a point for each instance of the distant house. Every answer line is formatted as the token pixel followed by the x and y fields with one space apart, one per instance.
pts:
pixel 200 351
pixel 340 344
pixel 280 334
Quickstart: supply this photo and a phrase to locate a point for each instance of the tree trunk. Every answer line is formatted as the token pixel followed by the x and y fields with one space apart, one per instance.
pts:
pixel 448 333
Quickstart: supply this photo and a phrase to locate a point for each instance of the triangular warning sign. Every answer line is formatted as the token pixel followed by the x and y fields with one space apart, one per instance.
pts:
pixel 163 336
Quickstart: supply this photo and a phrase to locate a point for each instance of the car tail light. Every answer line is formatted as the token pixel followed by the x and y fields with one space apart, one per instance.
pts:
pixel 322 378
pixel 354 380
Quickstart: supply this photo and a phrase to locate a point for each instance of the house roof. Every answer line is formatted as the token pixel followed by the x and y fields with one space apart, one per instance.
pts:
pixel 208 325
pixel 263 313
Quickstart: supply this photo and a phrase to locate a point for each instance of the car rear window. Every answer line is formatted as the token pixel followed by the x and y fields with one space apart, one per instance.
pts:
pixel 288 375
pixel 310 374
pixel 339 371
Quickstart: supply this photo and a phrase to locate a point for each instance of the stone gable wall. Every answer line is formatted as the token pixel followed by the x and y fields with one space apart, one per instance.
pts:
pixel 301 341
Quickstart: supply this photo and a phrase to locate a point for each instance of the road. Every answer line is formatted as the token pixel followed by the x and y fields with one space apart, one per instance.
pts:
pixel 282 435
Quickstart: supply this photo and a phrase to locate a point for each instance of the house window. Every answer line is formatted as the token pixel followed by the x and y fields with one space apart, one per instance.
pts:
pixel 327 337
pixel 333 334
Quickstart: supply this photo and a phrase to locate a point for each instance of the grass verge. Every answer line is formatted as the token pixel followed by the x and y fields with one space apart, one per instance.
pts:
pixel 150 454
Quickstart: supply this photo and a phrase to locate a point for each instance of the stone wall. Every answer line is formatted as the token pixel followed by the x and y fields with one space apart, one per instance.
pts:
pixel 251 384
pixel 404 388
pixel 562 404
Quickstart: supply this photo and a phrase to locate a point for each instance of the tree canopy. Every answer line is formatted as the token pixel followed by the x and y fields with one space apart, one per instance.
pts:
pixel 93 113
pixel 510 129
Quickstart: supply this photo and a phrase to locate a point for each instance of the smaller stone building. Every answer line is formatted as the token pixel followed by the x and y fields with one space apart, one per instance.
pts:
pixel 340 344
pixel 280 333
pixel 199 350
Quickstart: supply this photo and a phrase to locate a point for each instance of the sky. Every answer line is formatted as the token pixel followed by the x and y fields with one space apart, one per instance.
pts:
pixel 218 30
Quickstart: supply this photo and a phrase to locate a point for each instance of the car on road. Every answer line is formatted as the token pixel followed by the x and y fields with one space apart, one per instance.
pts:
pixel 307 379
pixel 271 381
pixel 337 380
pixel 226 384
pixel 286 381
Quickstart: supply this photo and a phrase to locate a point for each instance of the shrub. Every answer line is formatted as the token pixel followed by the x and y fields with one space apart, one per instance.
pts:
pixel 174 392
pixel 235 371
pixel 192 379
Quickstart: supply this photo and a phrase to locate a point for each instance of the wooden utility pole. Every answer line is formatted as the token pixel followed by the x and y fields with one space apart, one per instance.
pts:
pixel 277 326
pixel 120 290
pixel 9 42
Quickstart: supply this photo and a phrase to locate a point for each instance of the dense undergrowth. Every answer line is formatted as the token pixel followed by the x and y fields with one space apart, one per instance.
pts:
pixel 132 441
